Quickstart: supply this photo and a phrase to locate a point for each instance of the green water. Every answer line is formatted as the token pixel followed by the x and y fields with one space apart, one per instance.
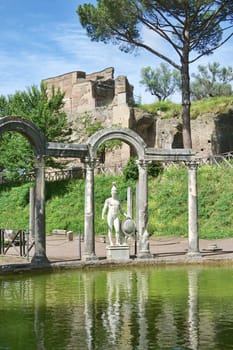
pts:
pixel 146 308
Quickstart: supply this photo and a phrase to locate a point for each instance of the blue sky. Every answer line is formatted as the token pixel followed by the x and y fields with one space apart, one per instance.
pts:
pixel 42 39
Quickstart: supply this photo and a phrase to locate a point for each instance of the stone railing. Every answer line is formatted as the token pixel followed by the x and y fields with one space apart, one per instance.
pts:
pixel 219 160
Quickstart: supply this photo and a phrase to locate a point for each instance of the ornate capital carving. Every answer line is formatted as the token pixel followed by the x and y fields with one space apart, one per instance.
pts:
pixel 142 163
pixel 89 163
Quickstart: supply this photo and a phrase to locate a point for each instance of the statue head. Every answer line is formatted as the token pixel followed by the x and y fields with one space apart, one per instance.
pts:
pixel 114 189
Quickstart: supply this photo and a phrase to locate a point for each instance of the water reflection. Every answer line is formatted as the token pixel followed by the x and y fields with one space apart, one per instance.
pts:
pixel 193 308
pixel 149 308
pixel 39 297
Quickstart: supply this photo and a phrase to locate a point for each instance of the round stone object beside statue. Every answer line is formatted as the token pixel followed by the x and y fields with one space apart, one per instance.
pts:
pixel 128 227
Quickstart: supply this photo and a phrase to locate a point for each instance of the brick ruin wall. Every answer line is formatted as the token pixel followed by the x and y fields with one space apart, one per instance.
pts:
pixel 100 96
pixel 108 101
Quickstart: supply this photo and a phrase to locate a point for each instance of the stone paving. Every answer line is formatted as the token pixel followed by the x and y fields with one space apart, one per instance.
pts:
pixel 60 249
pixel 63 252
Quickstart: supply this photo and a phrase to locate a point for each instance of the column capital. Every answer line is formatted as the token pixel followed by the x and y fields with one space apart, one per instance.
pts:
pixel 192 165
pixel 89 162
pixel 142 163
pixel 39 162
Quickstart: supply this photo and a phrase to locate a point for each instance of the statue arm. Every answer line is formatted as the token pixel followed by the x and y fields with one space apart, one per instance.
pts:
pixel 122 211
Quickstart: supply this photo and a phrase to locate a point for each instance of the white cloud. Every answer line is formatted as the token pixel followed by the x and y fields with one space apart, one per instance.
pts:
pixel 66 49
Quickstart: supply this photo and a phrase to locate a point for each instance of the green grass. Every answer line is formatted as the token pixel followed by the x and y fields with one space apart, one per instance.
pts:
pixel 168 205
pixel 211 105
pixel 168 109
pixel 164 109
pixel 64 203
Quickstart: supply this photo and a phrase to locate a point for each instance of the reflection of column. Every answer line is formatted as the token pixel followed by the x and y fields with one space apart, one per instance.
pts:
pixel 39 307
pixel 193 240
pixel 142 209
pixel 89 238
pixel 142 290
pixel 113 308
pixel 116 316
pixel 193 308
pixel 39 228
pixel 89 306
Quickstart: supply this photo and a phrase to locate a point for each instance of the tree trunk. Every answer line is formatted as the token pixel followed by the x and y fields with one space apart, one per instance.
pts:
pixel 186 104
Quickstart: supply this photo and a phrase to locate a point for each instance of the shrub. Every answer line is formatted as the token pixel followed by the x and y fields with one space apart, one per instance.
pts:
pixel 130 171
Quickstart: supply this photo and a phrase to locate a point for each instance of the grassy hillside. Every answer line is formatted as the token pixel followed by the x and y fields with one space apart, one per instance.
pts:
pixel 167 109
pixel 167 203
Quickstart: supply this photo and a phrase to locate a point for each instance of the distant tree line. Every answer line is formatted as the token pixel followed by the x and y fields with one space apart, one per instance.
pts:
pixel 210 81
pixel 188 30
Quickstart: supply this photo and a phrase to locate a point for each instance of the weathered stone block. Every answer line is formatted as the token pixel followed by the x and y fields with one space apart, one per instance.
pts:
pixel 118 252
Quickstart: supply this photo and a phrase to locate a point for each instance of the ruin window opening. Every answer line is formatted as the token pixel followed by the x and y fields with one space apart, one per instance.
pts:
pixel 178 141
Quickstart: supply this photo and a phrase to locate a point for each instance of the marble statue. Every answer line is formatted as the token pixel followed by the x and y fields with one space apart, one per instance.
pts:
pixel 113 206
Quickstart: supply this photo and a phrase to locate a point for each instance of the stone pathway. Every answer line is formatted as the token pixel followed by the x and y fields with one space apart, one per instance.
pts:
pixel 164 250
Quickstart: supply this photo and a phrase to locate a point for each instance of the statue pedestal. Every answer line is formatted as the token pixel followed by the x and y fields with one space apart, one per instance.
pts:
pixel 118 252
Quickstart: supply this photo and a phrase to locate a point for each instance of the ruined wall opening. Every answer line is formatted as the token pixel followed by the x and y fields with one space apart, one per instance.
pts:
pixel 178 140
pixel 178 137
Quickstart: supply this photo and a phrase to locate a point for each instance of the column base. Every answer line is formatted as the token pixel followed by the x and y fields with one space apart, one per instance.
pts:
pixel 40 260
pixel 144 254
pixel 194 254
pixel 87 257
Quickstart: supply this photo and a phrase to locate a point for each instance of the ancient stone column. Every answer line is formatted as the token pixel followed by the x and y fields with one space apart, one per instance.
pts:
pixel 142 210
pixel 32 212
pixel 89 234
pixel 130 202
pixel 39 223
pixel 193 239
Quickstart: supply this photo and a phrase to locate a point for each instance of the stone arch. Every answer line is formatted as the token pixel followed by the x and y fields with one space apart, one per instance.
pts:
pixel 124 134
pixel 38 143
pixel 27 129
pixel 132 139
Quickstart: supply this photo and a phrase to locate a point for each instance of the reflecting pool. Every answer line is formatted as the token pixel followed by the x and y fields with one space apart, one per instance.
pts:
pixel 127 309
